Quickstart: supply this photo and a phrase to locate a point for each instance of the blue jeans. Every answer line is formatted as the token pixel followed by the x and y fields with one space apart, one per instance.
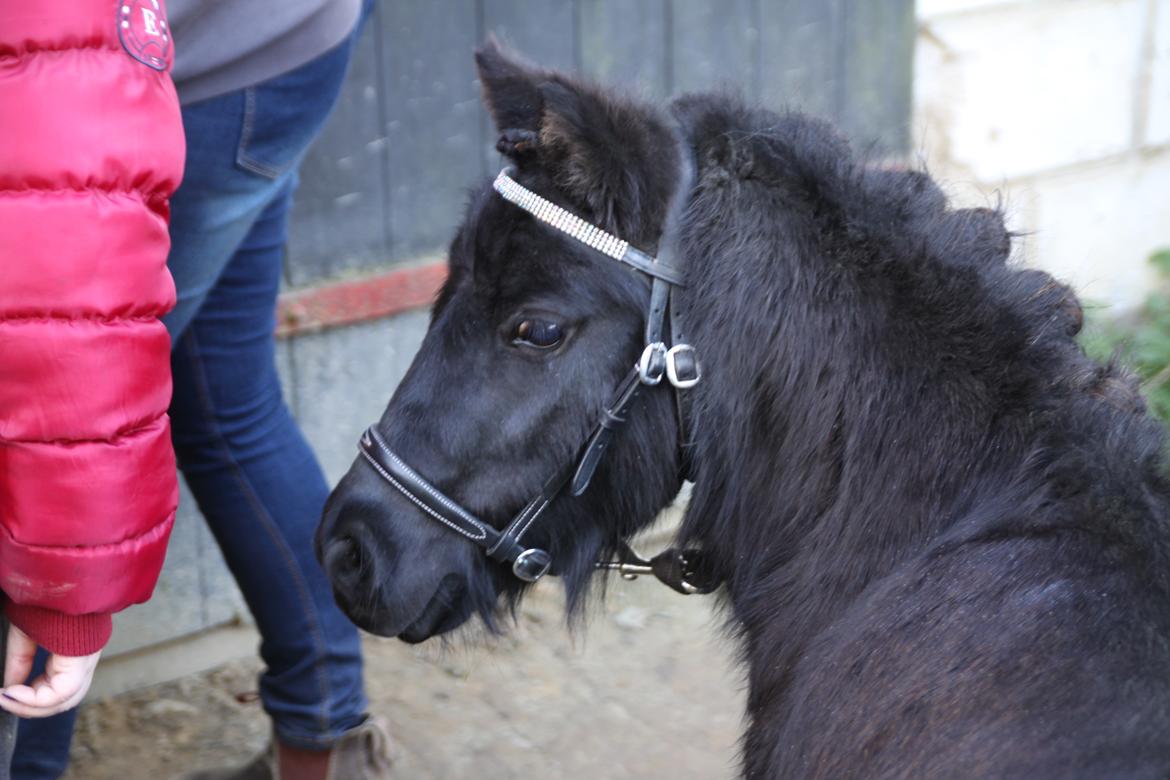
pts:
pixel 249 467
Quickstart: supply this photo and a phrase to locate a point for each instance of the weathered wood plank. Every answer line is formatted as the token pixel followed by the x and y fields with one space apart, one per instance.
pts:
pixel 544 32
pixel 431 105
pixel 715 45
pixel 338 217
pixel 373 297
pixel 625 44
pixel 386 180
pixel 878 54
pixel 800 55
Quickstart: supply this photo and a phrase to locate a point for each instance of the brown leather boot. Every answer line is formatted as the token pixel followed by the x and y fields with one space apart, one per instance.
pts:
pixel 362 753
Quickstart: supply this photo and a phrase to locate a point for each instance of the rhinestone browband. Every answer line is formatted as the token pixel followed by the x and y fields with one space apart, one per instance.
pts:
pixel 565 221
pixel 573 226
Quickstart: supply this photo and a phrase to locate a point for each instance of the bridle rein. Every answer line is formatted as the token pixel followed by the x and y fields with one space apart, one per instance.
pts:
pixel 686 571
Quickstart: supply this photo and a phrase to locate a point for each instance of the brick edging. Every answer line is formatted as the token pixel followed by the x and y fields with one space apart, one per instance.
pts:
pixel 347 302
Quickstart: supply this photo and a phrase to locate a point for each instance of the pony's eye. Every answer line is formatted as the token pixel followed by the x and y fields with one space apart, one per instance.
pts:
pixel 537 333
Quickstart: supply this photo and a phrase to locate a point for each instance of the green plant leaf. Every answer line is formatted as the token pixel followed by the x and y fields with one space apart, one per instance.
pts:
pixel 1161 261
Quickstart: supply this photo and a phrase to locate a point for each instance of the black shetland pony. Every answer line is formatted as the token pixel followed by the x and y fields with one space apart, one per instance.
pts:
pixel 943 532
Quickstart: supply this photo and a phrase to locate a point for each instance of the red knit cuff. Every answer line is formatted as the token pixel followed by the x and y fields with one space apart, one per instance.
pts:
pixel 59 633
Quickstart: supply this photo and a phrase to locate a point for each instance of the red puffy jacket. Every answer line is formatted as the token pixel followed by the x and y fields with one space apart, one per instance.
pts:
pixel 91 148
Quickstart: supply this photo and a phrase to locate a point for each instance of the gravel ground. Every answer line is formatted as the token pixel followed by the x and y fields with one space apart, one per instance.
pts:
pixel 648 690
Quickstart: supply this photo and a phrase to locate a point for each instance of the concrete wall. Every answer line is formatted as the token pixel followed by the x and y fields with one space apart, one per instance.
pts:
pixel 1059 109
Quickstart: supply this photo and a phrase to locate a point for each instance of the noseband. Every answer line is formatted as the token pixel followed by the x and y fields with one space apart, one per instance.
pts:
pixel 685 571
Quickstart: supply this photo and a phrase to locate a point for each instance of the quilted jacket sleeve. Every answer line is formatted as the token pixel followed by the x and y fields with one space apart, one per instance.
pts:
pixel 91 147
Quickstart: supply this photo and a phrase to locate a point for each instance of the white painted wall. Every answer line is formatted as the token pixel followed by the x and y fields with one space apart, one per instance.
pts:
pixel 1059 110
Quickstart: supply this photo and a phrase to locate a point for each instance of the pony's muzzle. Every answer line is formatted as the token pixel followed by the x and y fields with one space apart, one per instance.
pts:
pixel 366 532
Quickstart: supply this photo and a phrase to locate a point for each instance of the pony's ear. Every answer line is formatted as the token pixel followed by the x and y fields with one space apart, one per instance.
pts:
pixel 614 155
pixel 610 154
pixel 511 93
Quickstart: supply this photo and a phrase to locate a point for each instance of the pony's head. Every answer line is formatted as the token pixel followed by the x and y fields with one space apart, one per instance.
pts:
pixel 529 337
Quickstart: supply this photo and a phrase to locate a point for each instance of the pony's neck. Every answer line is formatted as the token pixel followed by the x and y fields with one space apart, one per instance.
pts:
pixel 822 452
pixel 875 380
pixel 815 477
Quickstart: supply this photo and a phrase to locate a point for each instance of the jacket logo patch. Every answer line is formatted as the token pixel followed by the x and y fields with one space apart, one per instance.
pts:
pixel 143 30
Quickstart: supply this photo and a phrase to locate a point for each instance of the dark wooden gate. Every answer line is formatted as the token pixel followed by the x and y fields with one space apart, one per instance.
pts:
pixel 386 183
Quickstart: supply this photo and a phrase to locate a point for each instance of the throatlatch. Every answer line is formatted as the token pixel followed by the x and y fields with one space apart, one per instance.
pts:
pixel 686 571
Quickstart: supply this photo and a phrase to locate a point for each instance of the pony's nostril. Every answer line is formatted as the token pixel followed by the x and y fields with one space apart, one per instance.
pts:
pixel 344 559
pixel 350 558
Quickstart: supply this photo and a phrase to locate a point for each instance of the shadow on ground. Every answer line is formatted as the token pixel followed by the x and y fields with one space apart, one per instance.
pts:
pixel 647 690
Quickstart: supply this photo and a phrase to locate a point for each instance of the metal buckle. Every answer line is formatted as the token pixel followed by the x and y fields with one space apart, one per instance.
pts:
pixel 672 367
pixel 627 569
pixel 684 583
pixel 531 565
pixel 653 363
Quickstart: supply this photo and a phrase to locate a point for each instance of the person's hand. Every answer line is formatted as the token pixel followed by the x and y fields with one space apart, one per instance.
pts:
pixel 62 687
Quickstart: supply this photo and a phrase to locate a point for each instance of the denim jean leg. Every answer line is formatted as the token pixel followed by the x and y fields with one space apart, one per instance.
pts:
pixel 216 205
pixel 242 149
pixel 246 461
pixel 261 490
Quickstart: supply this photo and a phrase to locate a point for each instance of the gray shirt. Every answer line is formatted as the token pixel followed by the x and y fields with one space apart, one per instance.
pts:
pixel 225 45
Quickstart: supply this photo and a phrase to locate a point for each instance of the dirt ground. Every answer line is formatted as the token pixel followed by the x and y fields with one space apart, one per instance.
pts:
pixel 648 690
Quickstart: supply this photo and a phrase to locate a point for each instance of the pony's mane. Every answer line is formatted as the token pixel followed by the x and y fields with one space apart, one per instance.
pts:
pixel 878 373
pixel 890 224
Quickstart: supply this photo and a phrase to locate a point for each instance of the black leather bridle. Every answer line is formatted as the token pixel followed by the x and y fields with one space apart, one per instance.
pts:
pixel 684 570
